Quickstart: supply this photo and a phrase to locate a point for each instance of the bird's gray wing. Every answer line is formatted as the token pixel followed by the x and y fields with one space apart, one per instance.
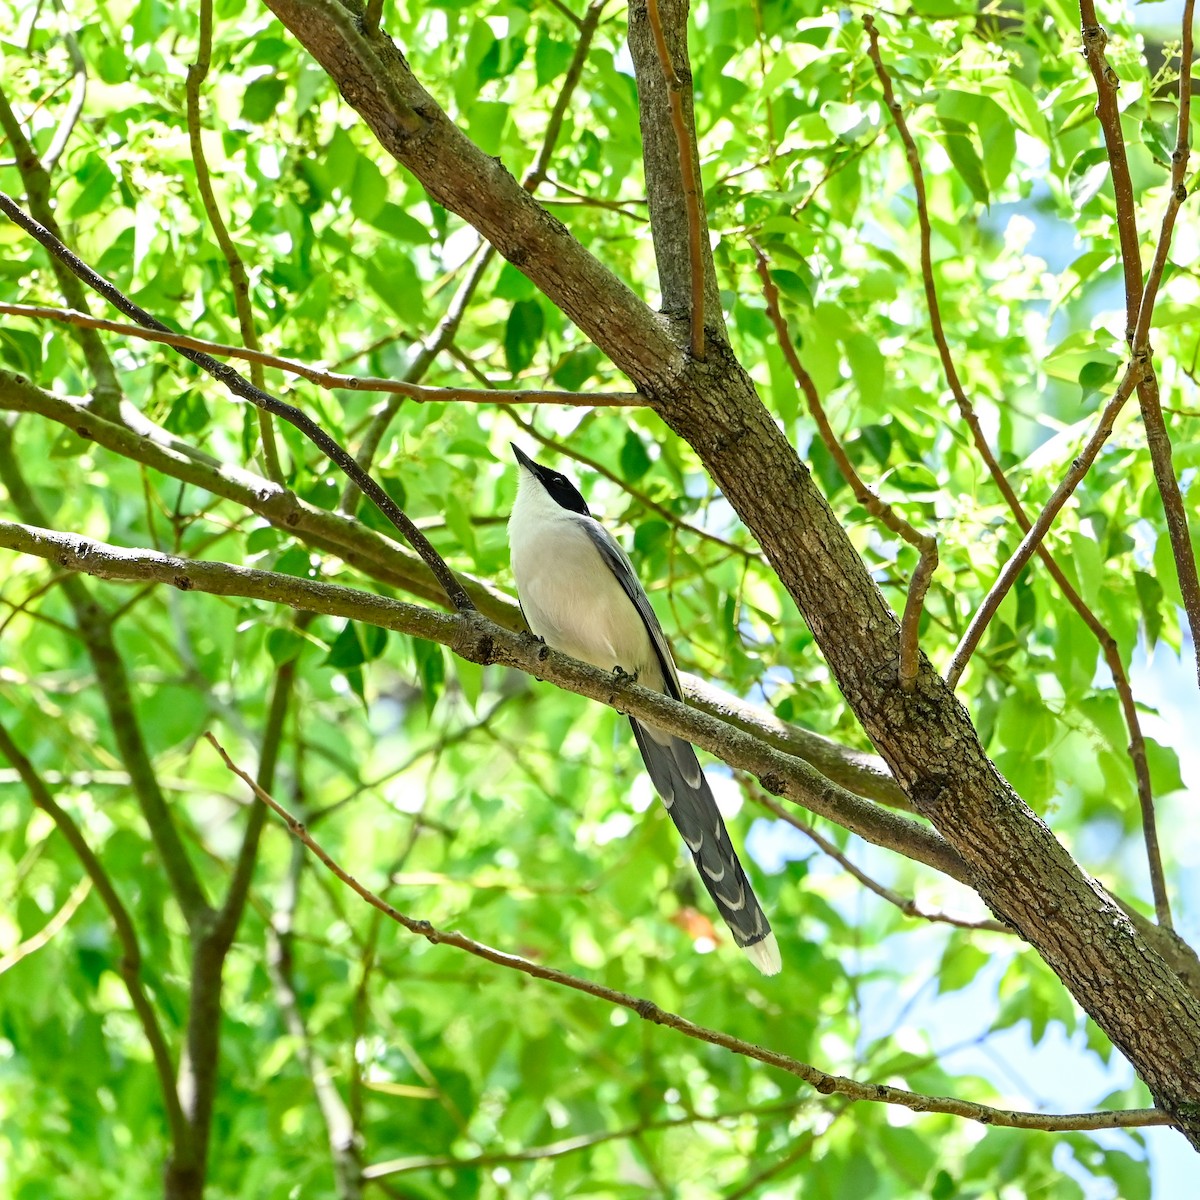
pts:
pixel 618 563
pixel 675 772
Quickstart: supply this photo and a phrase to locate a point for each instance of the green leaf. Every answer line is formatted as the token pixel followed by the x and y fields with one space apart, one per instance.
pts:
pixel 522 334
pixel 635 462
pixel 261 98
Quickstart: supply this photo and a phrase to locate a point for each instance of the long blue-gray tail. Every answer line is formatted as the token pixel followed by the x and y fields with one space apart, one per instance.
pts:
pixel 676 775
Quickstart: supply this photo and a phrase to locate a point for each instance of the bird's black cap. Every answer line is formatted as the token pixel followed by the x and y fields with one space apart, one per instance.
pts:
pixel 560 489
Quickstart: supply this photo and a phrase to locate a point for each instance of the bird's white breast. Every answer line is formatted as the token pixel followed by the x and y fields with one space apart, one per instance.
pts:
pixel 569 595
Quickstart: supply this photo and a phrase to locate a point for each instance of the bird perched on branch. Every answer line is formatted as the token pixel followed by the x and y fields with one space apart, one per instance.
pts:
pixel 580 595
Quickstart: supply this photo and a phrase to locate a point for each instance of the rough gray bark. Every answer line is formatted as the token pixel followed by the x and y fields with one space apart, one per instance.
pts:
pixel 926 736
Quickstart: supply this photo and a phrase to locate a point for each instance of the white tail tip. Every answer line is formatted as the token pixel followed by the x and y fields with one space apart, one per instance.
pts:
pixel 765 955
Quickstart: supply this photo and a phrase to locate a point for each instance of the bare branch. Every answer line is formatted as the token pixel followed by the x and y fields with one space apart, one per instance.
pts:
pixel 471 636
pixel 822 1081
pixel 905 904
pixel 925 544
pixel 328 379
pixel 242 387
pixel 1139 299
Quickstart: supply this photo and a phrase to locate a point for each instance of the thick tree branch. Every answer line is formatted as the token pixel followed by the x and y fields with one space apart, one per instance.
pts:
pixel 1108 644
pixel 822 1081
pixel 474 638
pixel 242 387
pixel 688 166
pixel 678 222
pixel 772 754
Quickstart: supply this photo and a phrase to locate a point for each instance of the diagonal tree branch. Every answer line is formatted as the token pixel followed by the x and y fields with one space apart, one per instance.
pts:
pixel 328 379
pixel 822 1081
pixel 242 387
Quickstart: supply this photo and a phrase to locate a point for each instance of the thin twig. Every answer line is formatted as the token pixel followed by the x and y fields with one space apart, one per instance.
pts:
pixel 327 379
pixel 240 386
pixel 822 1081
pixel 1108 643
pixel 70 117
pixel 196 75
pixel 1016 564
pixel 570 1145
pixel 906 904
pixel 47 933
pixel 925 544
pixel 687 172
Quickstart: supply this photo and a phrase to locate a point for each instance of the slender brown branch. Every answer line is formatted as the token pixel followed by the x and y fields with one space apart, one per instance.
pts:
pixel 570 1145
pixel 1108 643
pixel 1016 564
pixel 687 172
pixel 822 1081
pixel 925 544
pixel 38 189
pixel 906 904
pixel 131 956
pixel 1139 299
pixel 196 74
pixel 240 386
pixel 372 15
pixel 328 379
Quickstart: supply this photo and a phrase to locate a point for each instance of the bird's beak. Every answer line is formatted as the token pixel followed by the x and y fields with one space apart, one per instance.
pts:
pixel 524 459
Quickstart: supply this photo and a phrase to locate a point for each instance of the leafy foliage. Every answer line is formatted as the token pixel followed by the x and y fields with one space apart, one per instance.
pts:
pixel 478 799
